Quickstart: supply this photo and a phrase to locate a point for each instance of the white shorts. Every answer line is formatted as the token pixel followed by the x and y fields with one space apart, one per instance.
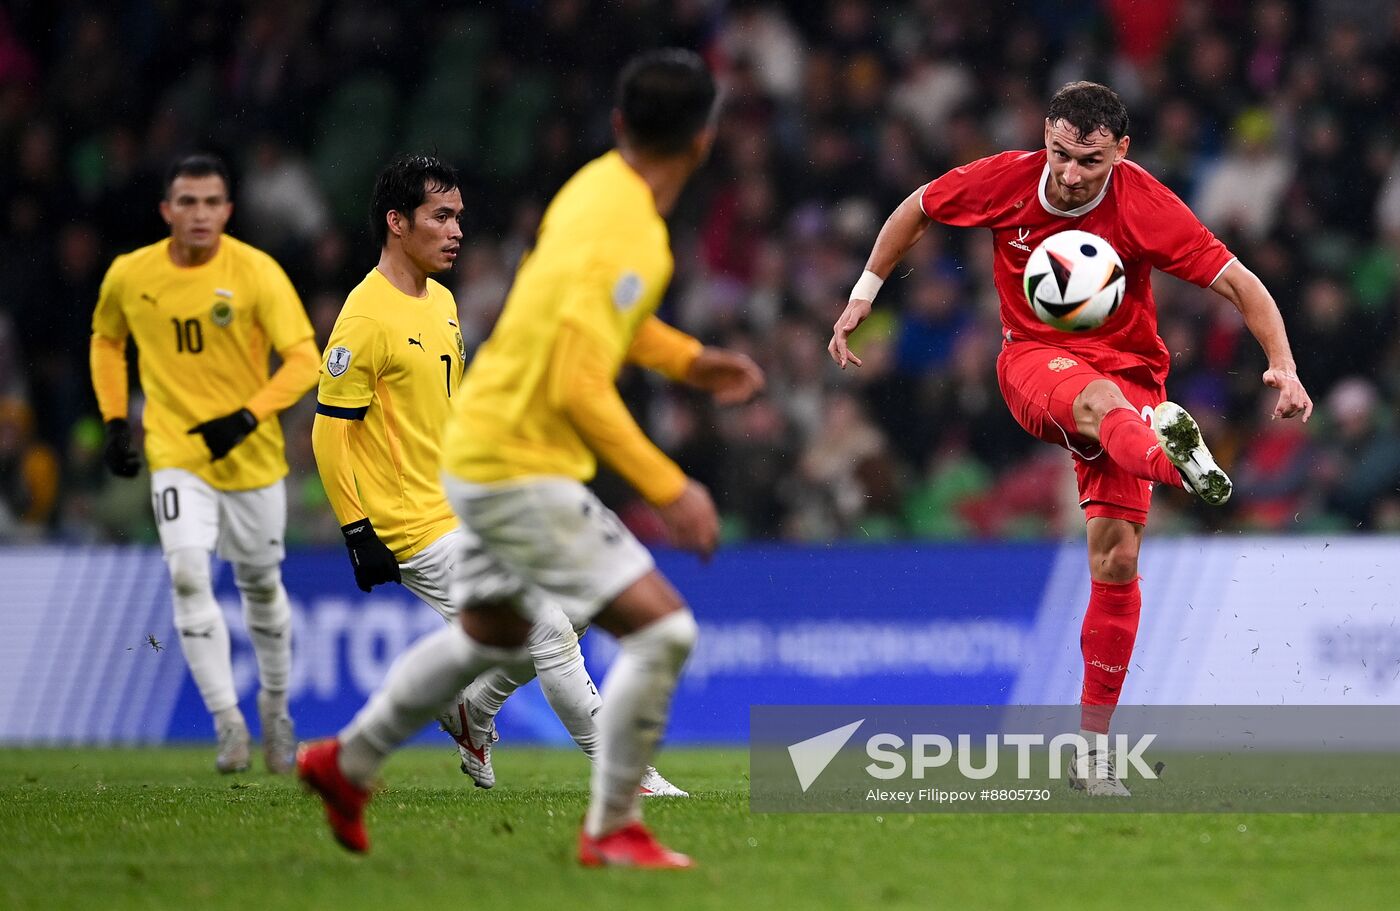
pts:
pixel 241 526
pixel 428 573
pixel 540 541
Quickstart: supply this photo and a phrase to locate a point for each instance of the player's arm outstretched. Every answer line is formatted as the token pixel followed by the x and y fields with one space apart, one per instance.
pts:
pixel 730 376
pixel 582 385
pixel 901 231
pixel 1243 288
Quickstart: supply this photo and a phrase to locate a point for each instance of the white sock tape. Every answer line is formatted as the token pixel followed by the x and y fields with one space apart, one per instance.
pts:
pixel 867 286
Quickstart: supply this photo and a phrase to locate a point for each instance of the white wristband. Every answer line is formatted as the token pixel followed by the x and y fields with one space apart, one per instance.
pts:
pixel 867 287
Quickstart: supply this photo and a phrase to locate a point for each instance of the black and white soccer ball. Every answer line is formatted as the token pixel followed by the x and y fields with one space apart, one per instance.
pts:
pixel 1074 281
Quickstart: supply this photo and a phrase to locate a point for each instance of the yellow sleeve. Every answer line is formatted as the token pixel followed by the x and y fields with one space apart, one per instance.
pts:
pixel 284 319
pixel 291 381
pixel 330 441
pixel 356 355
pixel 280 310
pixel 663 348
pixel 107 349
pixel 582 385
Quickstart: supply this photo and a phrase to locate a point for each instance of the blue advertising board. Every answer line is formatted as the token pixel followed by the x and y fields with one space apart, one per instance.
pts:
pixel 88 653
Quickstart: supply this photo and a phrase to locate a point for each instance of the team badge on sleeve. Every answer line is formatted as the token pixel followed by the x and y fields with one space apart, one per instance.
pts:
pixel 338 360
pixel 627 291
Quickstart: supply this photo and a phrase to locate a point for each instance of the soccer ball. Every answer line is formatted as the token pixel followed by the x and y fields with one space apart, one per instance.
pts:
pixel 1074 281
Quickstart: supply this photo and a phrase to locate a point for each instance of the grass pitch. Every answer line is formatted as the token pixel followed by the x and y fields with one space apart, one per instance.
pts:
pixel 157 828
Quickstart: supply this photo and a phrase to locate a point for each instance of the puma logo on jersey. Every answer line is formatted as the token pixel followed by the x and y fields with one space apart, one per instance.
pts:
pixel 1020 242
pixel 147 297
pixel 414 341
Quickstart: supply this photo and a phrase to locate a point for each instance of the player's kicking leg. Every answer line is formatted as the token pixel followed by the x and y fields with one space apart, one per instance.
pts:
pixel 1170 452
pixel 423 679
pixel 1181 441
pixel 656 633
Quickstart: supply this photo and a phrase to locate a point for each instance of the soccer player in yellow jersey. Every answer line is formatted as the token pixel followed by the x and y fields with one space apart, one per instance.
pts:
pixel 205 311
pixel 538 405
pixel 393 365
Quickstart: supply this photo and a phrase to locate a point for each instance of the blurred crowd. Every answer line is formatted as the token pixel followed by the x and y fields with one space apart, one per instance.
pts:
pixel 1274 120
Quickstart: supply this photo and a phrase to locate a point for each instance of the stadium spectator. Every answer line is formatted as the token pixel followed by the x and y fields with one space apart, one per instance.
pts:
pixel 1360 472
pixel 29 470
pixel 832 110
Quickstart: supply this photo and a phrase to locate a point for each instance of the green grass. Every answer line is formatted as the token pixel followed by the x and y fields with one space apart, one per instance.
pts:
pixel 156 828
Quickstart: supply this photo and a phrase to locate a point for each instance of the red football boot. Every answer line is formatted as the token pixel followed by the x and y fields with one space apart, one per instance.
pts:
pixel 630 846
pixel 345 803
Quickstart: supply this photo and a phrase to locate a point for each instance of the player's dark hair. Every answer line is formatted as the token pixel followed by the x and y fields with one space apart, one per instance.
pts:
pixel 1086 106
pixel 200 164
pixel 402 186
pixel 666 97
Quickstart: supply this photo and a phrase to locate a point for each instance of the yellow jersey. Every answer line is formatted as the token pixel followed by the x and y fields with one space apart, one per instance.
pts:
pixel 205 334
pixel 393 367
pixel 598 271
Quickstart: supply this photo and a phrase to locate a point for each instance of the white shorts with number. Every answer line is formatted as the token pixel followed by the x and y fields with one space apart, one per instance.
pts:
pixel 241 526
pixel 539 541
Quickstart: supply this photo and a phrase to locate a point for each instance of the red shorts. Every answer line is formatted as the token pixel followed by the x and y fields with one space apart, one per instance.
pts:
pixel 1040 384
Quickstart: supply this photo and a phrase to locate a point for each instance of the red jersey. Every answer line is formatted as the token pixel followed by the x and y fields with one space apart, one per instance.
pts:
pixel 1143 220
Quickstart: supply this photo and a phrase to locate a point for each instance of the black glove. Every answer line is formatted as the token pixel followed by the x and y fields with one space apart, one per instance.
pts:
pixel 117 451
pixel 222 434
pixel 374 563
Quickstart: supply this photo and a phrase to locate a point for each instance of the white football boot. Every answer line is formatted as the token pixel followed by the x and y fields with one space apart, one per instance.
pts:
pixel 1096 776
pixel 279 738
pixel 474 733
pixel 1181 441
pixel 234 751
pixel 653 785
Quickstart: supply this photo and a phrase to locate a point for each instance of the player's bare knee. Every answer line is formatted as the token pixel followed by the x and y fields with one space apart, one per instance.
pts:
pixel 495 623
pixel 1118 563
pixel 1094 402
pixel 189 572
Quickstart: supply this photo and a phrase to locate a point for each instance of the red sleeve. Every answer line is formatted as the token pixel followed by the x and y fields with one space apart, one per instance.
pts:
pixel 1172 237
pixel 964 196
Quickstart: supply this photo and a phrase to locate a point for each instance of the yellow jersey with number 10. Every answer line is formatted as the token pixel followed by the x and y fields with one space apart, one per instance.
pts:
pixel 601 264
pixel 205 336
pixel 393 367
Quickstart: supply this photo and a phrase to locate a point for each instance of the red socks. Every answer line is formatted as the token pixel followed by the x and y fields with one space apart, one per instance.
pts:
pixel 1110 628
pixel 1133 446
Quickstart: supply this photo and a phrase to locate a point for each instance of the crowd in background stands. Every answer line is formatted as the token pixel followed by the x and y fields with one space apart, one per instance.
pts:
pixel 1276 121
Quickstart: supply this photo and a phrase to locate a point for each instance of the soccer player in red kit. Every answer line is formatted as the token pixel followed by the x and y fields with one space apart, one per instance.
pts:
pixel 1099 394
